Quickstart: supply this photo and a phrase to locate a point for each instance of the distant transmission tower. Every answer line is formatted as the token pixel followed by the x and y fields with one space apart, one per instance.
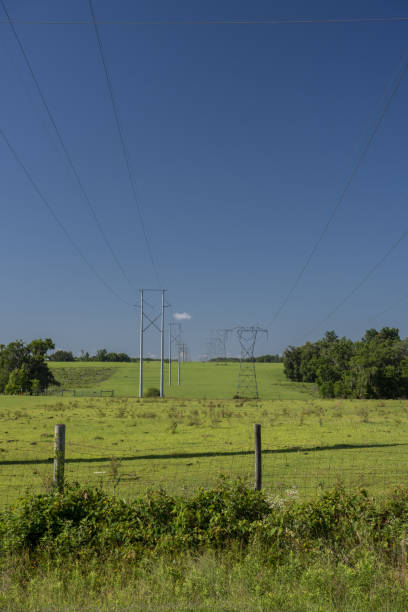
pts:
pixel 247 385
pixel 216 346
pixel 221 342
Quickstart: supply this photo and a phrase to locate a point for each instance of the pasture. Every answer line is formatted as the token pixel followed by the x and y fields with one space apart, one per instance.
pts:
pixel 129 445
pixel 199 380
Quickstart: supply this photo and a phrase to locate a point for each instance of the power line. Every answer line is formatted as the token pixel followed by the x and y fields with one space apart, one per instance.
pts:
pixel 65 150
pixel 365 278
pixel 136 22
pixel 122 140
pixel 57 219
pixel 343 193
pixel 399 300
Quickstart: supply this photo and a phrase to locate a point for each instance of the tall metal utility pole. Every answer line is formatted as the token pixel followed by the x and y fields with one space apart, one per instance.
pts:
pixel 162 346
pixel 169 354
pixel 181 351
pixel 141 346
pixel 178 365
pixel 247 385
pixel 151 322
pixel 176 338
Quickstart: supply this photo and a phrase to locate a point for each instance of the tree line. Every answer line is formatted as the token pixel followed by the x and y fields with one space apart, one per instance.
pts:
pixel 374 367
pixel 24 369
pixel 100 355
pixel 260 359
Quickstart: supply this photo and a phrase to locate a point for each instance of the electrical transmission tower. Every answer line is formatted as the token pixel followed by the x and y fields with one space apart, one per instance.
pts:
pixel 174 338
pixel 183 348
pixel 216 347
pixel 146 322
pixel 247 385
pixel 210 349
pixel 221 342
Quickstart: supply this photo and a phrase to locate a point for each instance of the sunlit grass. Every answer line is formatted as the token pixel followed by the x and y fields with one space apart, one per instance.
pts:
pixel 198 380
pixel 227 581
pixel 182 444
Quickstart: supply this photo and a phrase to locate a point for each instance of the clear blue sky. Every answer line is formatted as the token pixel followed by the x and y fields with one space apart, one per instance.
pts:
pixel 241 139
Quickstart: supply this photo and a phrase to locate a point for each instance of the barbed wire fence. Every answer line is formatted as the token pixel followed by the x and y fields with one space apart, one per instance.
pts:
pixel 128 473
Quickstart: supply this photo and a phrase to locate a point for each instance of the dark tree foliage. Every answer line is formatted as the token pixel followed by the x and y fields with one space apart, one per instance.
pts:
pixel 23 368
pixel 260 359
pixel 268 359
pixel 374 367
pixel 61 356
pixel 103 355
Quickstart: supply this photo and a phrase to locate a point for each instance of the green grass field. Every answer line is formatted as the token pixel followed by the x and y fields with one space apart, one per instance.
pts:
pixel 182 443
pixel 199 380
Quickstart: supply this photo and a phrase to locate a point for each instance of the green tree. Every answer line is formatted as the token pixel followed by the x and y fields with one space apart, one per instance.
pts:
pixel 374 367
pixel 18 381
pixel 21 364
pixel 292 358
pixel 61 355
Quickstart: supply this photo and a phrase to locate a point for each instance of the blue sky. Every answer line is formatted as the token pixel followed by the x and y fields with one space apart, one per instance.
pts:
pixel 241 139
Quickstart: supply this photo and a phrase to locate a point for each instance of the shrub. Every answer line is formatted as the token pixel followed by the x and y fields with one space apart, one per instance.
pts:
pixel 152 392
pixel 87 521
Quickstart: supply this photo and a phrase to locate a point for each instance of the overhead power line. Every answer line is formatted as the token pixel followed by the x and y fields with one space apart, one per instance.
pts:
pixel 237 21
pixel 343 193
pixel 396 302
pixel 68 156
pixel 123 142
pixel 360 283
pixel 58 221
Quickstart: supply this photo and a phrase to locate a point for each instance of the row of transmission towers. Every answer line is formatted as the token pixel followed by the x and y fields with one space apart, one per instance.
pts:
pixel 247 385
pixel 156 321
pixel 181 349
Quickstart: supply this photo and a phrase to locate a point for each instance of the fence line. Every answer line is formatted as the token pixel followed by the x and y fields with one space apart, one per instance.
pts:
pixel 130 472
pixel 84 392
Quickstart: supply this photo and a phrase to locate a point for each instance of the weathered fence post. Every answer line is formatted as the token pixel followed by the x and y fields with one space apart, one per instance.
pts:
pixel 59 457
pixel 258 457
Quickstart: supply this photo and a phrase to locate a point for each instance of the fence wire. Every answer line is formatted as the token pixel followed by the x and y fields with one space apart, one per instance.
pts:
pixel 181 469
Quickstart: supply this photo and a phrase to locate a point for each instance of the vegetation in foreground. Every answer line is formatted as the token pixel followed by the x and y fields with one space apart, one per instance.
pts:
pixel 227 548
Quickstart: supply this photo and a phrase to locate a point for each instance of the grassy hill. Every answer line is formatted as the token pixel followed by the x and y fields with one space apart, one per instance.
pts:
pixel 199 380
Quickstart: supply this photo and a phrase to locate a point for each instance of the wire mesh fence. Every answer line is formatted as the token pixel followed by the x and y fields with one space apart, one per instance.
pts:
pixel 58 392
pixel 181 469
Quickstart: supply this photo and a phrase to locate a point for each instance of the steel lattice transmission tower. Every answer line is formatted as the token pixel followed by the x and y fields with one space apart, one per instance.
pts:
pixel 222 341
pixel 216 346
pixel 247 385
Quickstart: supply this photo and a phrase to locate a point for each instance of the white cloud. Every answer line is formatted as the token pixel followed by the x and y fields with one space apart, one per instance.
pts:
pixel 182 316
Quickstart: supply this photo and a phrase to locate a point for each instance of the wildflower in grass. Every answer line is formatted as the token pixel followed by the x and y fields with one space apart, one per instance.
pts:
pixel 292 494
pixel 275 502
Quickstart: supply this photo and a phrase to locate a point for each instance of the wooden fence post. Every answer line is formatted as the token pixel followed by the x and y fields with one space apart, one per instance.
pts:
pixel 59 458
pixel 258 457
